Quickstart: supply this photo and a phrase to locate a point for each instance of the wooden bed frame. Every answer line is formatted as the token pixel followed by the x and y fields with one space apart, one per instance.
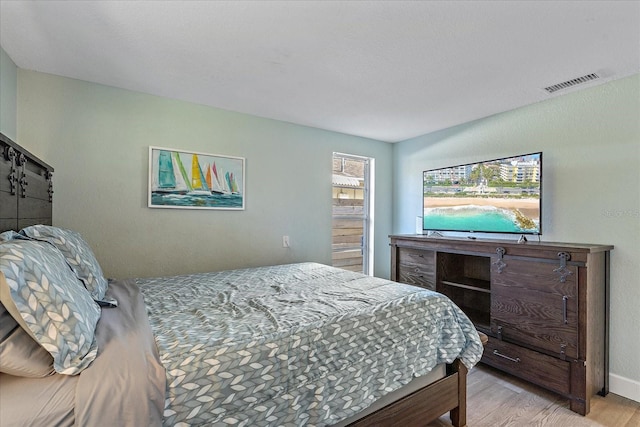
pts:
pixel 448 394
pixel 26 187
pixel 26 198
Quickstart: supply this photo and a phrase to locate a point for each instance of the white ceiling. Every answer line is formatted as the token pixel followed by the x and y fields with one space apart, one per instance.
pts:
pixel 387 70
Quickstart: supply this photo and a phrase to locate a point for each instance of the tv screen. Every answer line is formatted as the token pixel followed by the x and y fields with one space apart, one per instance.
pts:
pixel 495 196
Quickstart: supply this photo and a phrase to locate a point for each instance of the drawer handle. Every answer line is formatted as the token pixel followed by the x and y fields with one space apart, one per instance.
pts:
pixel 497 353
pixel 564 309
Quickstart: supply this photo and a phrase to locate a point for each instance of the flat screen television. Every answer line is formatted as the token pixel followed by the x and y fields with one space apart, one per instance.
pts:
pixel 494 196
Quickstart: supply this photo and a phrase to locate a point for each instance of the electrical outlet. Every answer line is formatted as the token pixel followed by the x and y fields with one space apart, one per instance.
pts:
pixel 285 242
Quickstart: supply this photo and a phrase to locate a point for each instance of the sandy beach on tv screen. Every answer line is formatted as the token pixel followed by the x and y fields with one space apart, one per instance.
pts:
pixel 528 207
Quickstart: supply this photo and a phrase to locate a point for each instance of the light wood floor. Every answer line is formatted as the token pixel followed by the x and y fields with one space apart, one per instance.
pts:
pixel 496 399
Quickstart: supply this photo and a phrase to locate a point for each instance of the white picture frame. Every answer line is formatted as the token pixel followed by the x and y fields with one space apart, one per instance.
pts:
pixel 181 179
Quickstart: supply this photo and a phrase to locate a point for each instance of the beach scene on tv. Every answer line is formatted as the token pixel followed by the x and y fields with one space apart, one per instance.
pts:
pixel 498 196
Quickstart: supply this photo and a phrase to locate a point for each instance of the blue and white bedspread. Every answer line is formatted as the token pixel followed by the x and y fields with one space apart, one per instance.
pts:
pixel 295 345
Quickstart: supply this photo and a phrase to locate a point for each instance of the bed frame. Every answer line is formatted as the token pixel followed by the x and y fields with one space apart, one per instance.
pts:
pixel 448 394
pixel 26 198
pixel 26 187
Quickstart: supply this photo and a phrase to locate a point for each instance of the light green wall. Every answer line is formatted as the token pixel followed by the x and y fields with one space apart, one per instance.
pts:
pixel 8 90
pixel 97 138
pixel 591 168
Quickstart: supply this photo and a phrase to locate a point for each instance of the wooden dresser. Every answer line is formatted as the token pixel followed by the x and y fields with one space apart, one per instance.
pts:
pixel 543 305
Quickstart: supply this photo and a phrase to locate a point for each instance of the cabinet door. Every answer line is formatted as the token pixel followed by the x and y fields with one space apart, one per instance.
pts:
pixel 417 267
pixel 531 305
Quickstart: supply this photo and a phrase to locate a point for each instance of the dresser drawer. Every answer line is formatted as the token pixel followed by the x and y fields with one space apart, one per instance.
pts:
pixel 417 267
pixel 407 256
pixel 413 276
pixel 546 371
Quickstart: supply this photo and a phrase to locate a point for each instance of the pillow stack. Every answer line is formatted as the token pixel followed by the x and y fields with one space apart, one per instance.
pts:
pixel 50 281
pixel 77 253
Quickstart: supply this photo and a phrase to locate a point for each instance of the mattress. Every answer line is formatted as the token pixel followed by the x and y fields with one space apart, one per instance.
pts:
pixel 298 344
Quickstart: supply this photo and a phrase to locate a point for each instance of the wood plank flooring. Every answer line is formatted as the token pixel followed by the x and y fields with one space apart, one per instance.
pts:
pixel 496 399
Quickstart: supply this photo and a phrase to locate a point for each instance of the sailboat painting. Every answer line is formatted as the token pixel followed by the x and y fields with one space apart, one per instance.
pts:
pixel 190 180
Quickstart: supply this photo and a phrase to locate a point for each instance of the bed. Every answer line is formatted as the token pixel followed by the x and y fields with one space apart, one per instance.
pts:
pixel 292 345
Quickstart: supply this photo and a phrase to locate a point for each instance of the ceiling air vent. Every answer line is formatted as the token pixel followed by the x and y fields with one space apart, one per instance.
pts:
pixel 571 83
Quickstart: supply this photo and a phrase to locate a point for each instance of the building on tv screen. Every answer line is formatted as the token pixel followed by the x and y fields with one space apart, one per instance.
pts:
pixel 499 196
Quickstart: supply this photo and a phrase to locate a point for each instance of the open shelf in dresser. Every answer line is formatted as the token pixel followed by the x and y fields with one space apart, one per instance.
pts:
pixel 466 280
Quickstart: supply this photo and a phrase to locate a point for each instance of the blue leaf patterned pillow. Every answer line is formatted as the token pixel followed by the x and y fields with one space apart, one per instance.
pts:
pixel 9 235
pixel 44 296
pixel 78 254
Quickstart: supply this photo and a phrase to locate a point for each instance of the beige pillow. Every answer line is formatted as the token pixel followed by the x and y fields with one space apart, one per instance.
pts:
pixel 20 354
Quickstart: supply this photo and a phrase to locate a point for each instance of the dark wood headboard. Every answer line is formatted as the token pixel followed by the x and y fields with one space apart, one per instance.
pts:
pixel 26 187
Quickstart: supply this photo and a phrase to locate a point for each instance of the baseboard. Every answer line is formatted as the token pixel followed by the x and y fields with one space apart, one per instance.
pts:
pixel 624 387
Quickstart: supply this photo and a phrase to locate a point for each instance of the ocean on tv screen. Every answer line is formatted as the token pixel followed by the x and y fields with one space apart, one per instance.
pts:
pixel 478 218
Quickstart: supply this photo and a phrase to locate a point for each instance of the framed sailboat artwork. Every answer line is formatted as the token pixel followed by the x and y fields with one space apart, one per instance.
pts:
pixel 190 180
